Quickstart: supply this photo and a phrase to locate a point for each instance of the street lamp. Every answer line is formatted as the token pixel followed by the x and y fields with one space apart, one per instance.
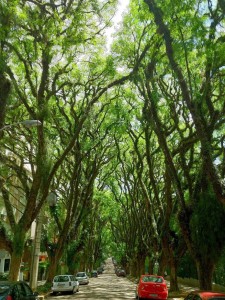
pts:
pixel 26 123
pixel 52 200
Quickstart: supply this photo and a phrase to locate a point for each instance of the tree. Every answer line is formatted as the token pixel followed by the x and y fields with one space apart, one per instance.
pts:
pixel 45 88
pixel 202 112
pixel 163 84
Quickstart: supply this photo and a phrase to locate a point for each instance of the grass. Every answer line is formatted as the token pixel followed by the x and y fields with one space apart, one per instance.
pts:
pixel 189 284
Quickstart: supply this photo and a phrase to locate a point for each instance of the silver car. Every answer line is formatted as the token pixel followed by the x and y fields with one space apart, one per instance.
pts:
pixel 65 283
pixel 82 278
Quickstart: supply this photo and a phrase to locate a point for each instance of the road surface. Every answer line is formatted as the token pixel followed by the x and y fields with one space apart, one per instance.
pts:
pixel 107 286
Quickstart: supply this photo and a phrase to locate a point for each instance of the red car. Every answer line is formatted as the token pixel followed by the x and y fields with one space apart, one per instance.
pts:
pixel 205 295
pixel 151 287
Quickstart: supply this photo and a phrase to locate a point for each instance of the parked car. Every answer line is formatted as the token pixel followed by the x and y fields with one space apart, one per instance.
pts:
pixel 100 270
pixel 65 283
pixel 205 295
pixel 152 287
pixel 10 290
pixel 120 272
pixel 82 278
pixel 94 273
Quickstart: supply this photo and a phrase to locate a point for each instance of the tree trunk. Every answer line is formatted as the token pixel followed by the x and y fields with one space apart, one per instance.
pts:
pixel 173 276
pixel 53 264
pixel 5 87
pixel 133 267
pixel 55 254
pixel 163 261
pixel 17 253
pixel 141 262
pixel 205 274
pixel 14 266
pixel 150 266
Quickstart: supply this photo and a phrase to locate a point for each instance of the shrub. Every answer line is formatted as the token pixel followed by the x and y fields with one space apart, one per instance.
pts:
pixel 4 276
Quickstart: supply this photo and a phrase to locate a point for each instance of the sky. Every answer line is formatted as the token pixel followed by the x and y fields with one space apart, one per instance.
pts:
pixel 122 5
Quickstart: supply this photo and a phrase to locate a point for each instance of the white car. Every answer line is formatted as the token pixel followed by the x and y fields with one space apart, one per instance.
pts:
pixel 82 278
pixel 65 283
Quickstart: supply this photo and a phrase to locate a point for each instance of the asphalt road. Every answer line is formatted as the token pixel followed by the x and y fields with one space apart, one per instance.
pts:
pixel 107 286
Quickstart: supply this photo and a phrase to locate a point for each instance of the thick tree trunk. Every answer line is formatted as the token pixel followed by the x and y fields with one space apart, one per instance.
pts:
pixel 17 253
pixel 173 276
pixel 150 266
pixel 14 266
pixel 141 264
pixel 205 274
pixel 133 268
pixel 54 258
pixel 53 263
pixel 163 261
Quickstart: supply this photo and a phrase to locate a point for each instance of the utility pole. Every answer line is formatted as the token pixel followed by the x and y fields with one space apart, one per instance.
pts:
pixel 36 252
pixel 51 200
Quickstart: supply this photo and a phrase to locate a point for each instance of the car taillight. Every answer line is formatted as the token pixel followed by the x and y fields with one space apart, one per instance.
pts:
pixel 9 297
pixel 70 283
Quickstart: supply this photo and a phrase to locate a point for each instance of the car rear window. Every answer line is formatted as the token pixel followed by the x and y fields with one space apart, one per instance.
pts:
pixel 152 279
pixel 61 279
pixel 80 274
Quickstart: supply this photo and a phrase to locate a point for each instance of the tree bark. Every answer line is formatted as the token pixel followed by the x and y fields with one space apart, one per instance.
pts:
pixel 141 264
pixel 205 269
pixel 133 267
pixel 5 87
pixel 17 254
pixel 173 276
pixel 53 263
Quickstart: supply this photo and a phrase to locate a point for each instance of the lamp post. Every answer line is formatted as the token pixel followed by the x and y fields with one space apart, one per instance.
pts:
pixel 26 123
pixel 52 200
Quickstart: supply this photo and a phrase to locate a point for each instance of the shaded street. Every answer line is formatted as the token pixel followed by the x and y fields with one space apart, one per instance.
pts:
pixel 107 286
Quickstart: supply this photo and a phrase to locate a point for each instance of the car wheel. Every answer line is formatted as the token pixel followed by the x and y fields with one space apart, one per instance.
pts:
pixel 54 293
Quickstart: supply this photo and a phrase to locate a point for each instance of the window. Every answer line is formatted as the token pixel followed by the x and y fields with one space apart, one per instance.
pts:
pixel 7 264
